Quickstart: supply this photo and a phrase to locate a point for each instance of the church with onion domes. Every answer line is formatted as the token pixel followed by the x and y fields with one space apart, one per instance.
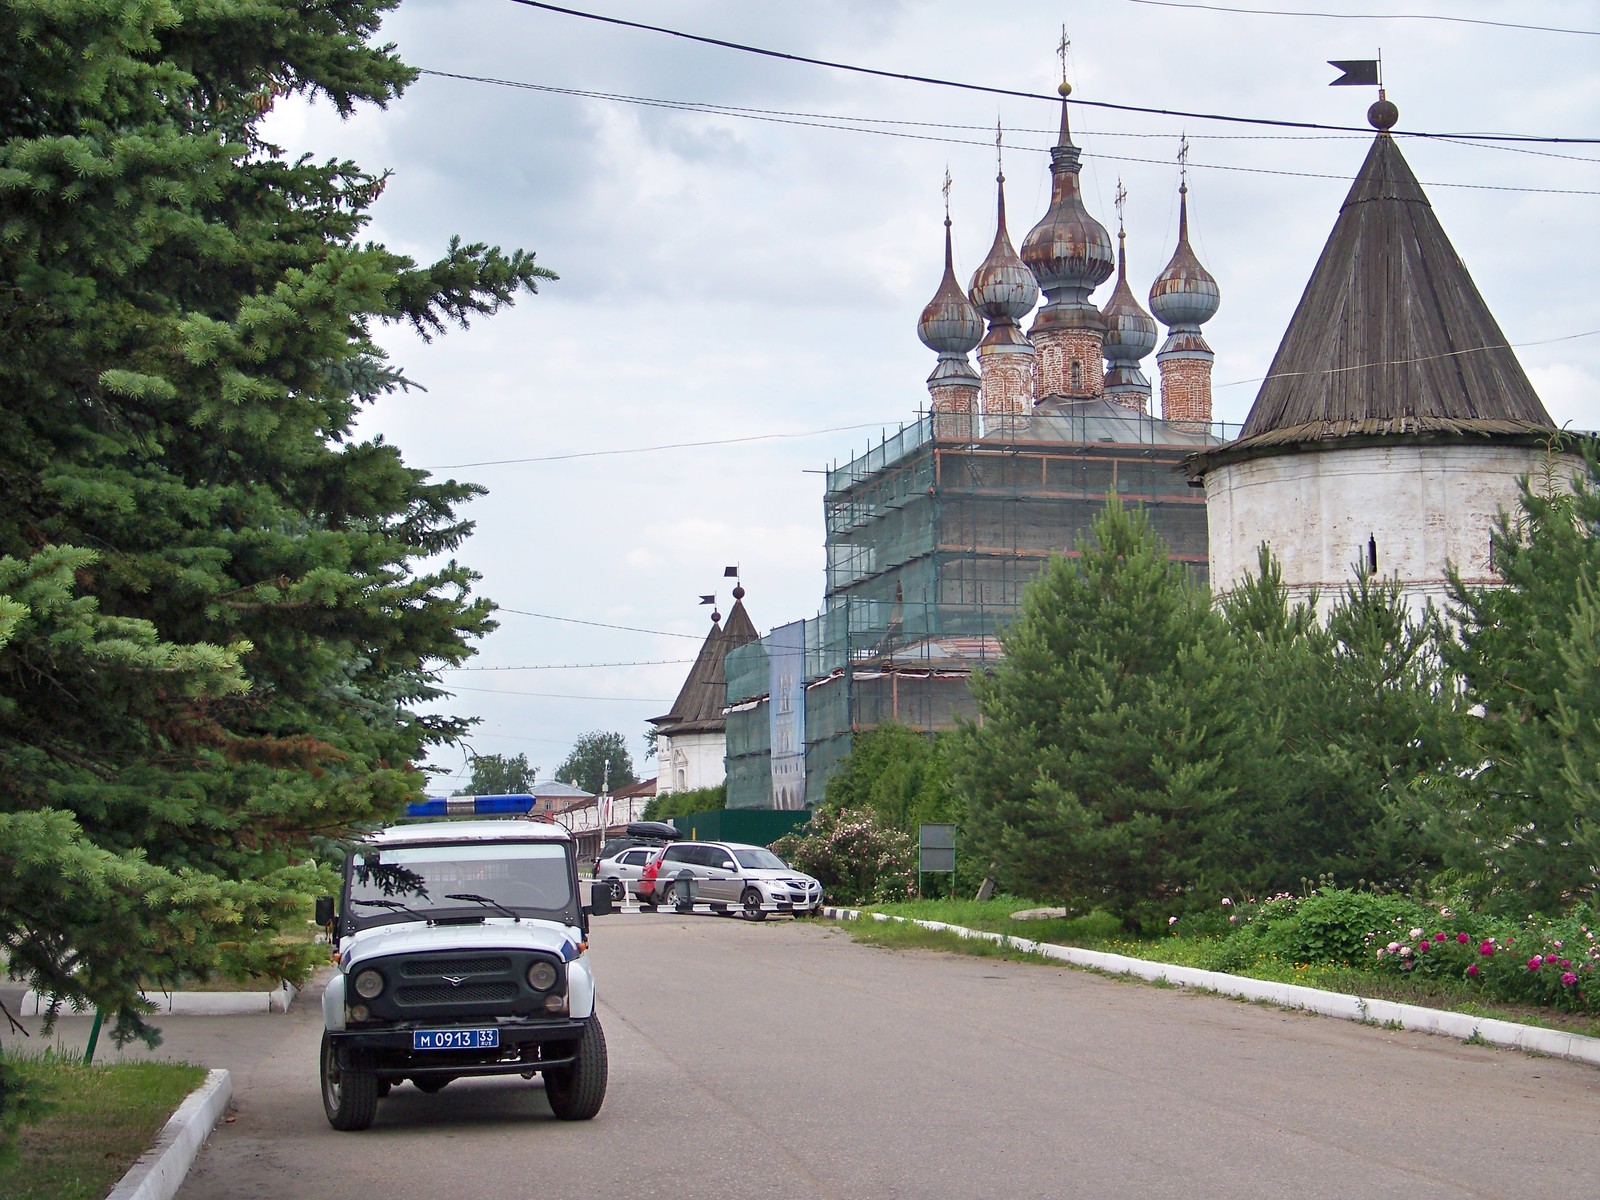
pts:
pixel 1392 429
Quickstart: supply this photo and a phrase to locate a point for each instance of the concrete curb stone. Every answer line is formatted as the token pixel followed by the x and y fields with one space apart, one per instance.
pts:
pixel 161 1170
pixel 1533 1038
pixel 194 1004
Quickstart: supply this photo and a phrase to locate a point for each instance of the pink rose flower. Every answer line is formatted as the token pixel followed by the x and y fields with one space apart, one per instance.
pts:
pixel 1226 902
pixel 1422 946
pixel 1487 948
pixel 1473 969
pixel 1462 938
pixel 1415 934
pixel 1393 947
pixel 1439 937
pixel 1565 963
pixel 1569 979
pixel 1535 963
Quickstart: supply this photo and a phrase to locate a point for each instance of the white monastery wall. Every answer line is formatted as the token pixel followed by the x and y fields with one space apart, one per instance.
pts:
pixel 689 761
pixel 1421 506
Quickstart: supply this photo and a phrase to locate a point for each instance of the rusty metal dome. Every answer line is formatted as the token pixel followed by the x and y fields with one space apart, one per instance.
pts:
pixel 949 323
pixel 1068 251
pixel 1184 295
pixel 1002 288
pixel 1130 331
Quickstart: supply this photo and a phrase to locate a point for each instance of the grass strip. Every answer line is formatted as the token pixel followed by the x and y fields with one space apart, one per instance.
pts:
pixel 101 1119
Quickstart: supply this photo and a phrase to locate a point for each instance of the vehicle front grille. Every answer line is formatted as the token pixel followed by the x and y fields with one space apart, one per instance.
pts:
pixel 461 987
pixel 435 967
pixel 432 994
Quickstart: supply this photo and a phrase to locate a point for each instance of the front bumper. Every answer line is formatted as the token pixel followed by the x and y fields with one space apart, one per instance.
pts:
pixel 525 1047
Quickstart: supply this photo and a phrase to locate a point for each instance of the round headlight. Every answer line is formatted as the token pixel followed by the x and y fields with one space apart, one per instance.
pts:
pixel 542 976
pixel 368 984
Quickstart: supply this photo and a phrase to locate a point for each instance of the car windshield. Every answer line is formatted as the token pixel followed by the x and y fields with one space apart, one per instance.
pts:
pixel 760 860
pixel 433 882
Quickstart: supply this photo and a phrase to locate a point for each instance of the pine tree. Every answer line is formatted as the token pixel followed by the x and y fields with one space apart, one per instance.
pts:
pixel 1521 811
pixel 1102 768
pixel 1358 712
pixel 217 631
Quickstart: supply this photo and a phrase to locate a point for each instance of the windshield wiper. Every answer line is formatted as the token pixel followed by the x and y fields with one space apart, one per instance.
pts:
pixel 394 905
pixel 483 900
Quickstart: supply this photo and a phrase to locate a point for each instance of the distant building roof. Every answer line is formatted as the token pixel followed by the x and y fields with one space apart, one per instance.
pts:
pixel 645 787
pixel 554 789
pixel 1391 336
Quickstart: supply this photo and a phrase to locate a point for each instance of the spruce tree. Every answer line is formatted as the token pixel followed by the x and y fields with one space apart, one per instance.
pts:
pixel 216 625
pixel 1102 770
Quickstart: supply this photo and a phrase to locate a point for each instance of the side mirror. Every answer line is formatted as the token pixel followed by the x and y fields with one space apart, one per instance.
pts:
pixel 727 865
pixel 600 901
pixel 324 910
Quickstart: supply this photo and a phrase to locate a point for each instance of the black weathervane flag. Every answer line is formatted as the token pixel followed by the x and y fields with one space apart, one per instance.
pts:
pixel 708 599
pixel 1358 72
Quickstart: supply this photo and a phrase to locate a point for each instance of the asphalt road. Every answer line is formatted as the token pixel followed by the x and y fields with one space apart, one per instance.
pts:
pixel 782 1059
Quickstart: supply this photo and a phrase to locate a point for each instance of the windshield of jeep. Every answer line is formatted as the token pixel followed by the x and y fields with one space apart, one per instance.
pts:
pixel 530 879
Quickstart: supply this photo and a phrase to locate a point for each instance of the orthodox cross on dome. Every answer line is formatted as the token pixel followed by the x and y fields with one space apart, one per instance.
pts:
pixel 946 191
pixel 1183 160
pixel 999 151
pixel 1122 200
pixel 1061 52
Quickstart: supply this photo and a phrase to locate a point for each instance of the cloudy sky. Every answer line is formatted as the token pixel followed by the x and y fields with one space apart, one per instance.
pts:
pixel 745 244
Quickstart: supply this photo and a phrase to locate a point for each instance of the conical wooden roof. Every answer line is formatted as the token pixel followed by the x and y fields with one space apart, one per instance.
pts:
pixel 698 708
pixel 1391 336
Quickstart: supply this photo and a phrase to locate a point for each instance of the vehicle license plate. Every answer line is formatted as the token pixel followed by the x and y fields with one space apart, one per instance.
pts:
pixel 455 1039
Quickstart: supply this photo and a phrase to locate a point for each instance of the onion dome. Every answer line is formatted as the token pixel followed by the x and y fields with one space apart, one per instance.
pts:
pixel 1184 295
pixel 1068 251
pixel 1130 331
pixel 1002 288
pixel 950 325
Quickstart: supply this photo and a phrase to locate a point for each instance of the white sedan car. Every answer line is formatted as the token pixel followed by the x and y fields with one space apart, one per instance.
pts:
pixel 734 877
pixel 621 871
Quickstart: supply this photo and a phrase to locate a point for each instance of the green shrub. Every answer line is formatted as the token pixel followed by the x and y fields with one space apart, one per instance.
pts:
pixel 855 856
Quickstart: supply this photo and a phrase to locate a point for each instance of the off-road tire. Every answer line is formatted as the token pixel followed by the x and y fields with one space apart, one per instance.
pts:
pixel 751 900
pixel 576 1092
pixel 349 1097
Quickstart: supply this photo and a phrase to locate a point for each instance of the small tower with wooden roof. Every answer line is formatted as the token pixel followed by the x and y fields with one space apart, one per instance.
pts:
pixel 692 738
pixel 1396 421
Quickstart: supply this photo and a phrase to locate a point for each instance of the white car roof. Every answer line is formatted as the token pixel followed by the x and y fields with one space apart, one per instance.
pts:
pixel 469 831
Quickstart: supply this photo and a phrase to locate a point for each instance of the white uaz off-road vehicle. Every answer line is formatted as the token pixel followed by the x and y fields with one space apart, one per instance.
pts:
pixel 461 951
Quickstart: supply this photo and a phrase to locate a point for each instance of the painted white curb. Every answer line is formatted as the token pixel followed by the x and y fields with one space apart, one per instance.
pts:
pixel 188 1004
pixel 160 1171
pixel 1554 1042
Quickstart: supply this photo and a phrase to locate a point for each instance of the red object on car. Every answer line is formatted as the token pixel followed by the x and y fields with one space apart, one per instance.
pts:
pixel 647 878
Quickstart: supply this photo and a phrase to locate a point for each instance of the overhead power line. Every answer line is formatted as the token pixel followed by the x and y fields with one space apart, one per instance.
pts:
pixel 987 89
pixel 1333 16
pixel 599 624
pixel 656 662
pixel 754 437
pixel 563 695
pixel 850 125
pixel 1403 362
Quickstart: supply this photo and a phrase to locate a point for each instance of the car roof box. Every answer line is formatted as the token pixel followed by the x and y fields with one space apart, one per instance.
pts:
pixel 658 831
